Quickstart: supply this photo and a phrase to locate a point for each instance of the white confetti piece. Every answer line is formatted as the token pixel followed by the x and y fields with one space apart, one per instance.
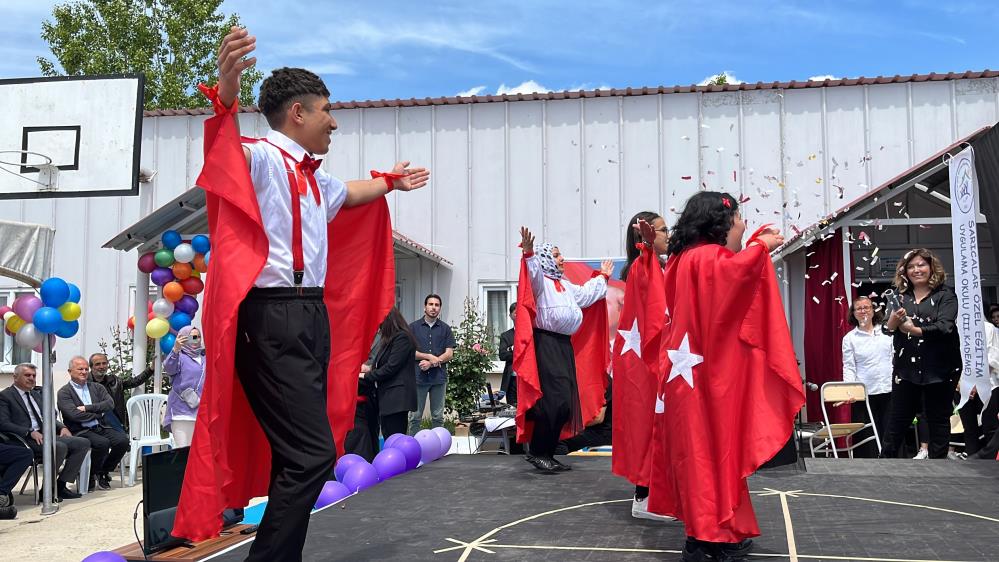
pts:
pixel 816 299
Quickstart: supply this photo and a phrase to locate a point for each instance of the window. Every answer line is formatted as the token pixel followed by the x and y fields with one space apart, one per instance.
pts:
pixel 495 300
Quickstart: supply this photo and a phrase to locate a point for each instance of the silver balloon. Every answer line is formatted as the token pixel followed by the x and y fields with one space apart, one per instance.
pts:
pixel 162 308
pixel 28 336
pixel 183 253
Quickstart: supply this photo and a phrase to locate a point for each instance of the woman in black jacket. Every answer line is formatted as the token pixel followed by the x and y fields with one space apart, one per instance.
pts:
pixel 394 373
pixel 927 358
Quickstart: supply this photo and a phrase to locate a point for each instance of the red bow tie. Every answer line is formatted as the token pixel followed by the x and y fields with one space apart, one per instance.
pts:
pixel 307 167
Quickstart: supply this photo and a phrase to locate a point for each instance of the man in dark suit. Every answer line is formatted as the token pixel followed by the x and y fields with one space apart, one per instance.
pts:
pixel 83 404
pixel 21 413
pixel 509 382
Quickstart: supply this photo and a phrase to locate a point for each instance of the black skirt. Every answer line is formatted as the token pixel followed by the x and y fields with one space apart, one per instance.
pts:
pixel 558 407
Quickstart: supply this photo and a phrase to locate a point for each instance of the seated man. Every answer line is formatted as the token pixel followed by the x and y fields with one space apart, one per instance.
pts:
pixel 597 432
pixel 14 460
pixel 21 413
pixel 83 405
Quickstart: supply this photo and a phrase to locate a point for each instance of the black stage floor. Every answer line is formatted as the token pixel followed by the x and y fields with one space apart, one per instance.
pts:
pixel 497 508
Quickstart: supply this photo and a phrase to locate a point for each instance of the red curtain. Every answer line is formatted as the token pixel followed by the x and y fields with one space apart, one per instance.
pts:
pixel 826 310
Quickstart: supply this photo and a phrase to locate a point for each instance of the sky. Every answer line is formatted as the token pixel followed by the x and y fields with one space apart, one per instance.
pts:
pixel 395 49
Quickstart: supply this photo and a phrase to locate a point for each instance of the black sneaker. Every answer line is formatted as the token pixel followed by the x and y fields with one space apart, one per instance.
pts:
pixel 6 499
pixel 696 551
pixel 561 466
pixel 8 512
pixel 544 464
pixel 103 481
pixel 732 552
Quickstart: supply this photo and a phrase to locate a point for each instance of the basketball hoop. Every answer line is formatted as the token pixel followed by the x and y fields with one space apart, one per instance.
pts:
pixel 48 175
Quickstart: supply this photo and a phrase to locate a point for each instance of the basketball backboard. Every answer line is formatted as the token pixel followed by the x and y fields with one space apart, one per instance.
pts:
pixel 70 136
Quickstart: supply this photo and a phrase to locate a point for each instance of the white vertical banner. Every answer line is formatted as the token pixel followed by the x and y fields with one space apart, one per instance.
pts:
pixel 967 277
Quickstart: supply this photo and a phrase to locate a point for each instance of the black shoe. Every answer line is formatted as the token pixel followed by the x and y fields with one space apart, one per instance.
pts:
pixel 8 512
pixel 6 499
pixel 696 551
pixel 65 493
pixel 544 464
pixel 561 466
pixel 104 481
pixel 740 548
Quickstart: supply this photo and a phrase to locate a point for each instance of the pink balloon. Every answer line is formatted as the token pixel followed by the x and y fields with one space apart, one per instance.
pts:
pixel 52 342
pixel 26 305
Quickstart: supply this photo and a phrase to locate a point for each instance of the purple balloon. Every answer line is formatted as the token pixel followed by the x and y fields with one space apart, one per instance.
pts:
pixel 25 306
pixel 147 262
pixel 161 276
pixel 392 439
pixel 187 304
pixel 389 463
pixel 430 445
pixel 360 477
pixel 104 556
pixel 445 439
pixel 333 492
pixel 409 447
pixel 345 463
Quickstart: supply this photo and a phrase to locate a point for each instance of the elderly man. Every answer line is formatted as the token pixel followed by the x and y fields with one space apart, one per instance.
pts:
pixel 116 387
pixel 83 405
pixel 21 414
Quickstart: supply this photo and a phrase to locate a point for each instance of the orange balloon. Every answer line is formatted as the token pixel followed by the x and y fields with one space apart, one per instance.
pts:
pixel 173 291
pixel 199 263
pixel 182 270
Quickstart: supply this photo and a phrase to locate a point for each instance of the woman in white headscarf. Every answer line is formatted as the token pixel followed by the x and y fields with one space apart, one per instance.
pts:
pixel 186 367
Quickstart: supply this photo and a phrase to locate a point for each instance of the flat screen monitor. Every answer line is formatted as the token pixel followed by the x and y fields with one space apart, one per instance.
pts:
pixel 162 477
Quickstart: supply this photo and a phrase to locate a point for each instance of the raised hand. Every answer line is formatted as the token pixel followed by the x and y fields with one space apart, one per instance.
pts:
pixel 607 267
pixel 236 45
pixel 646 230
pixel 772 238
pixel 412 178
pixel 526 240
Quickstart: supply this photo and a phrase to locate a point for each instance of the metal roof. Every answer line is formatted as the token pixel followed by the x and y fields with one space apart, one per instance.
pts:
pixel 931 171
pixel 617 92
pixel 187 214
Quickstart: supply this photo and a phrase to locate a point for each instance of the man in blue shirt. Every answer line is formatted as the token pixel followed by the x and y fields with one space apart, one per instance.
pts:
pixel 434 348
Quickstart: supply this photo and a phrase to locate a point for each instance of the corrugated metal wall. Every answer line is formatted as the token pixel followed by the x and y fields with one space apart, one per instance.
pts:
pixel 572 170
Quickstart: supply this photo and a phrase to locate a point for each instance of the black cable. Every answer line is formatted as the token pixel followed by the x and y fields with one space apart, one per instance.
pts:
pixel 135 517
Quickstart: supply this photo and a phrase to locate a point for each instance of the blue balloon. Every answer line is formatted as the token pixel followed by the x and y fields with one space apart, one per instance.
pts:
pixel 47 319
pixel 201 244
pixel 166 343
pixel 179 319
pixel 208 256
pixel 171 239
pixel 74 293
pixel 54 292
pixel 68 329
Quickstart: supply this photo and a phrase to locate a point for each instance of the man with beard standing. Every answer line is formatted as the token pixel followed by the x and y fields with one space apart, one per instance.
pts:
pixel 434 348
pixel 116 387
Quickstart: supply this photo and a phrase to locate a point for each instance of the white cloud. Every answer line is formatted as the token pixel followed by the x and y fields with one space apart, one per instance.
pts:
pixel 822 77
pixel 528 87
pixel 729 78
pixel 471 92
pixel 332 67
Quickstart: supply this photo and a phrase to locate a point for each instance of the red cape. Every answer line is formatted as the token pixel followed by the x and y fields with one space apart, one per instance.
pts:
pixel 590 348
pixel 740 410
pixel 229 460
pixel 636 377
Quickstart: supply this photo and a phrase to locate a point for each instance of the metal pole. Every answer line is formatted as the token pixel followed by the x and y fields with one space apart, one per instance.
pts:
pixel 139 334
pixel 48 430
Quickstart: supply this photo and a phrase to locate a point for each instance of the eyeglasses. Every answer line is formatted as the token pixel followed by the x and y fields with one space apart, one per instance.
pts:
pixel 863 308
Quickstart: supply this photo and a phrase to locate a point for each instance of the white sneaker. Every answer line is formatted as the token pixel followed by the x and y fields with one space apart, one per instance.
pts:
pixel 640 510
pixel 956 456
pixel 923 454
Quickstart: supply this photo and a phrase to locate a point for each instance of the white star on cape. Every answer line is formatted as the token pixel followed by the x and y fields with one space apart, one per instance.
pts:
pixel 683 362
pixel 632 340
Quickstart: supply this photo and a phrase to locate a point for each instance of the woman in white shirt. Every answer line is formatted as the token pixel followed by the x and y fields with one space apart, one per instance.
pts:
pixel 867 358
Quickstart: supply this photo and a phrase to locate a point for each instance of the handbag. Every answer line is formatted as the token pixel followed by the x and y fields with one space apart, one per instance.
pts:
pixel 192 397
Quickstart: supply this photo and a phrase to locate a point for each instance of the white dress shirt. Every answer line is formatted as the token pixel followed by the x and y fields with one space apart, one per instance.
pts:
pixel 867 358
pixel 561 311
pixel 84 393
pixel 992 350
pixel 36 424
pixel 270 181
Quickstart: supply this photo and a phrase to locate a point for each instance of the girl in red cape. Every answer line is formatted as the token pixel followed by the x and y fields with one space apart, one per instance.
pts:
pixel 730 388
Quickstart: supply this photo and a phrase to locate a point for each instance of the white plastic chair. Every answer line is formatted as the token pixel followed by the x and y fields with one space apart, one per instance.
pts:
pixel 144 414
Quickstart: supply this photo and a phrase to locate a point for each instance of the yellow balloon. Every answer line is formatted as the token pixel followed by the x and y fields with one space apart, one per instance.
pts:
pixel 195 273
pixel 70 311
pixel 157 328
pixel 15 323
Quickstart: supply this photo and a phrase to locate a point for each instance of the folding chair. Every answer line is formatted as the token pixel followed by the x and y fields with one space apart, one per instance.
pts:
pixel 841 392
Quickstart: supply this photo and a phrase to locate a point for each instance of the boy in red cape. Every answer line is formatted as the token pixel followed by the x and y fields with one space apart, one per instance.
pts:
pixel 274 401
pixel 557 395
pixel 730 387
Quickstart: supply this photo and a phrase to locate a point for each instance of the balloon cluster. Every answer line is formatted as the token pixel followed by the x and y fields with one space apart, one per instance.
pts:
pixel 56 313
pixel 177 268
pixel 402 453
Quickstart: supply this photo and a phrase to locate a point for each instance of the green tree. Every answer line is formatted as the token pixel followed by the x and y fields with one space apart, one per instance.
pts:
pixel 173 42
pixel 466 371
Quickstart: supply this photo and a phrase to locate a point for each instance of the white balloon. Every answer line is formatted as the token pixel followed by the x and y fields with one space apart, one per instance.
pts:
pixel 183 253
pixel 28 336
pixel 162 308
pixel 7 315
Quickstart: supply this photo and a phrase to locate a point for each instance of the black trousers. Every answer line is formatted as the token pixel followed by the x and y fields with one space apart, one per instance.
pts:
pixel 282 355
pixel 907 400
pixel 71 449
pixel 880 409
pixel 559 403
pixel 107 447
pixel 975 434
pixel 590 437
pixel 511 391
pixel 394 423
pixel 14 460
